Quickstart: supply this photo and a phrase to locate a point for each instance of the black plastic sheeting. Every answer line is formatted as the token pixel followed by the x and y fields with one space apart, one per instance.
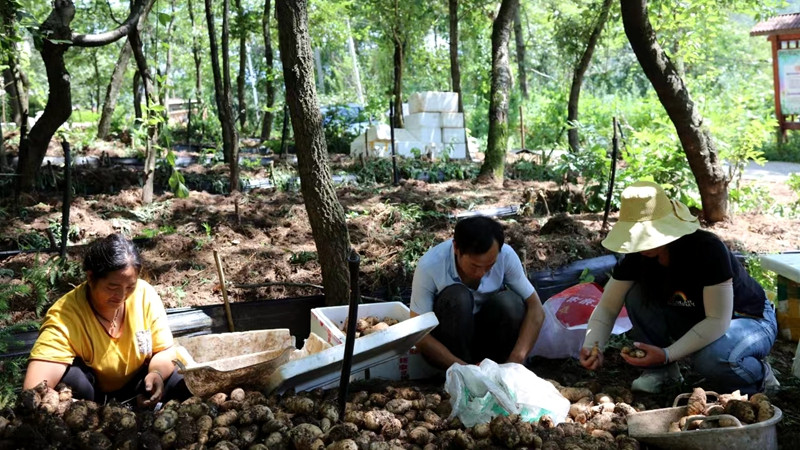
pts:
pixel 551 282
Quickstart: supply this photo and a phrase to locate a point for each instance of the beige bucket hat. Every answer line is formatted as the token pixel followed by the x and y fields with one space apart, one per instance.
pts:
pixel 648 219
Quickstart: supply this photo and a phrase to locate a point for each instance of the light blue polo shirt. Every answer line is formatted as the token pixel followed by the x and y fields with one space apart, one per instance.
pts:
pixel 437 269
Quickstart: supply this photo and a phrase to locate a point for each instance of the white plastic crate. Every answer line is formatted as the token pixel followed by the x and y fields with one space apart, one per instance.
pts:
pixel 327 322
pixel 452 120
pixel 423 119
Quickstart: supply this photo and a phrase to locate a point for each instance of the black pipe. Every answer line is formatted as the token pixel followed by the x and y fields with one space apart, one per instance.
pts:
pixel 67 194
pixel 614 150
pixel 285 128
pixel 353 261
pixel 394 152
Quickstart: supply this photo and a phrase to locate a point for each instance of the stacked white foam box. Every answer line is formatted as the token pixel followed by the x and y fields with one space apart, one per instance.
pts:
pixel 432 126
pixel 435 120
pixel 376 140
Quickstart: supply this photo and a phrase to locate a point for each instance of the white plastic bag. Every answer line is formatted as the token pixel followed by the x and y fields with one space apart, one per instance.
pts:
pixel 566 316
pixel 478 393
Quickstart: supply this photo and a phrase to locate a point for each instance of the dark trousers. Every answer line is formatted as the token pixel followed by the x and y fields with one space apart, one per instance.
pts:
pixel 83 381
pixel 491 333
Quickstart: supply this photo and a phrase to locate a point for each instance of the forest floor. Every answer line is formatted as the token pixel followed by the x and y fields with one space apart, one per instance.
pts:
pixel 270 241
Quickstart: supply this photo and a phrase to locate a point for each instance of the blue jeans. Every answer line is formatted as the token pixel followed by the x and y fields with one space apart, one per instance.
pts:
pixel 734 361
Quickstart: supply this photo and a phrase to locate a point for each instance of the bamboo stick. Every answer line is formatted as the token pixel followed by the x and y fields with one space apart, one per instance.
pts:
pixel 221 274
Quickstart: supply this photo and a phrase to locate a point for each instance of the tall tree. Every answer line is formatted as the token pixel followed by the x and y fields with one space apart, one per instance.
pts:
pixel 579 71
pixel 519 38
pixel 112 91
pixel 117 77
pixel 455 67
pixel 56 33
pixel 222 90
pixel 682 111
pixel 494 163
pixel 325 213
pixel 399 41
pixel 152 123
pixel 266 124
pixel 241 108
pixel 197 58
pixel 14 79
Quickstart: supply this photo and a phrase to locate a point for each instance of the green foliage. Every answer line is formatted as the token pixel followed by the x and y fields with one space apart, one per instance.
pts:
pixel 150 233
pixel 750 198
pixel 44 277
pixel 302 257
pixel 763 276
pixel 414 249
pixel 11 376
pixel 379 170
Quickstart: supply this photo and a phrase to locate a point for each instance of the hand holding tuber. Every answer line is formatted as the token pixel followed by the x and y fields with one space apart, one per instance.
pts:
pixel 590 359
pixel 653 355
pixel 153 389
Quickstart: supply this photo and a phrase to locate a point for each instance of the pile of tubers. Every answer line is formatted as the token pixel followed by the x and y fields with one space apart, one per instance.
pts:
pixel 701 415
pixel 370 324
pixel 395 418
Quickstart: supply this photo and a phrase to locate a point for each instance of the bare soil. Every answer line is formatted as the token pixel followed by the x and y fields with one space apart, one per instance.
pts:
pixel 269 241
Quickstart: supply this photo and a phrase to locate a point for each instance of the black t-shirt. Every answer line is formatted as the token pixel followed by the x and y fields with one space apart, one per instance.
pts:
pixel 696 260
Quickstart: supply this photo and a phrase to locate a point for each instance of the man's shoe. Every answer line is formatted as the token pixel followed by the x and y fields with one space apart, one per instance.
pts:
pixel 653 381
pixel 770 385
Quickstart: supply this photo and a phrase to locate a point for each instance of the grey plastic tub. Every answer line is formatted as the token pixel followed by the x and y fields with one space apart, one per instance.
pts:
pixel 650 427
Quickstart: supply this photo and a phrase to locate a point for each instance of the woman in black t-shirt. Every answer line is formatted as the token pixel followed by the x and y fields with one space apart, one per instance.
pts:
pixel 687 297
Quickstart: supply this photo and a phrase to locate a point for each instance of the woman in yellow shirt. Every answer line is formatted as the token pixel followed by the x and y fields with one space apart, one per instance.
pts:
pixel 109 337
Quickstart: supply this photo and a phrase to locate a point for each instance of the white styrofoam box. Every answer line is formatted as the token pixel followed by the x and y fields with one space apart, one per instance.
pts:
pixel 423 119
pixel 432 101
pixel 786 265
pixel 455 151
pixel 402 134
pixel 323 369
pixel 379 132
pixel 454 136
pixel 327 322
pixel 426 134
pixel 358 146
pixel 405 148
pixel 452 120
pixel 410 366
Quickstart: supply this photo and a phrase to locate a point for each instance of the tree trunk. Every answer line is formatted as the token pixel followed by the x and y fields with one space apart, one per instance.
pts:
pixel 269 116
pixel 96 81
pixel 164 93
pixel 59 99
pixel 3 160
pixel 137 97
pixel 455 67
pixel 325 213
pixel 197 83
pixel 151 99
pixel 494 164
pixel 112 91
pixel 222 91
pixel 673 94
pixel 579 72
pixel 14 79
pixel 520 40
pixel 399 56
pixel 241 109
pixel 351 47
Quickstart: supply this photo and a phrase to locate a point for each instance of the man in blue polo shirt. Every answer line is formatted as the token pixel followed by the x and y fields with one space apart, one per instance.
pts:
pixel 478 289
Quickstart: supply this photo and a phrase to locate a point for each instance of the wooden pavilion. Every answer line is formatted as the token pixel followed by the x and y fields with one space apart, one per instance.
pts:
pixel 783 32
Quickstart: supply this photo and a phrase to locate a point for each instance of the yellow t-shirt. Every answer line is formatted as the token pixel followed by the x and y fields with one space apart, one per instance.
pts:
pixel 71 329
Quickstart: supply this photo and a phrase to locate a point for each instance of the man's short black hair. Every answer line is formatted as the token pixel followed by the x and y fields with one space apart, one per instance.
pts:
pixel 475 235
